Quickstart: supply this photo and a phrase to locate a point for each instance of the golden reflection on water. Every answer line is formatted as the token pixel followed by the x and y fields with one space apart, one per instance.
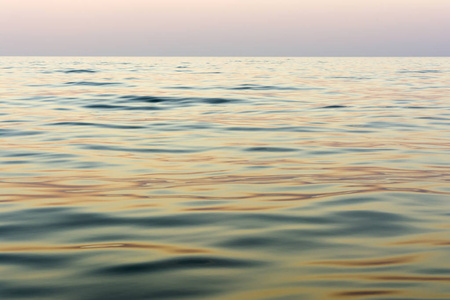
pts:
pixel 369 262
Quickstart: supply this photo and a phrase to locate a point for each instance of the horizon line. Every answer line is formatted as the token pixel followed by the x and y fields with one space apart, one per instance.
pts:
pixel 225 56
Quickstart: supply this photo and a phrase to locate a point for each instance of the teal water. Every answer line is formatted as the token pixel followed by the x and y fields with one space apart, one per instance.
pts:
pixel 224 178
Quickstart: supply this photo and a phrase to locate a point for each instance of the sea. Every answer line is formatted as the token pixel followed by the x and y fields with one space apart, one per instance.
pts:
pixel 224 178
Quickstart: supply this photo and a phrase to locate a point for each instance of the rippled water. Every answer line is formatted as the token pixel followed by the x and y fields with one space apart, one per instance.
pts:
pixel 224 178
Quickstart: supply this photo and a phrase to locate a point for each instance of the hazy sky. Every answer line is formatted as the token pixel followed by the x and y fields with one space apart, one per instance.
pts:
pixel 225 27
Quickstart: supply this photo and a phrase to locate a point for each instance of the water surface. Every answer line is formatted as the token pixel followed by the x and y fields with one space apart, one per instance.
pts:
pixel 224 178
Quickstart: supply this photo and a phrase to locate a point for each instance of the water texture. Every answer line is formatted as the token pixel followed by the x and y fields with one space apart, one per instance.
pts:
pixel 224 178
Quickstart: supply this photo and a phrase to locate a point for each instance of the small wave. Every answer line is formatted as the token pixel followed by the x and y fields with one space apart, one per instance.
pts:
pixel 334 106
pixel 278 242
pixel 147 99
pixel 271 149
pixel 32 260
pixel 184 263
pixel 208 72
pixel 13 132
pixel 79 71
pixel 91 83
pixel 96 125
pixel 20 291
pixel 182 87
pixel 105 106
pixel 121 107
pixel 433 118
pixel 153 99
pixel 420 71
pixel 217 100
pixel 261 87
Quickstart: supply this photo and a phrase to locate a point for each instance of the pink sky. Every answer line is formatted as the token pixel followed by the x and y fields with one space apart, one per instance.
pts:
pixel 225 27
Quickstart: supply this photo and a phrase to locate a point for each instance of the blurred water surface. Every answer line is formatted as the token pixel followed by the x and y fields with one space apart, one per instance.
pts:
pixel 224 178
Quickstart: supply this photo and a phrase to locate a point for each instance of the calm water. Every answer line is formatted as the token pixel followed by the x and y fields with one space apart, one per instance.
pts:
pixel 224 178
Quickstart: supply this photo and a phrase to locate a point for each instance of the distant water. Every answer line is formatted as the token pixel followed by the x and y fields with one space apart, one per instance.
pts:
pixel 224 178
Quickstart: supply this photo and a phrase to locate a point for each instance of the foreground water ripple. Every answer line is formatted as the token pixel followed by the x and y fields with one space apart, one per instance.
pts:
pixel 224 178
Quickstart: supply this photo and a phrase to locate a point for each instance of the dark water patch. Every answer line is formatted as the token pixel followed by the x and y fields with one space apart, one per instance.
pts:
pixel 22 154
pixel 368 223
pixel 420 71
pixel 106 106
pixel 44 222
pixel 17 133
pixel 96 125
pixel 420 107
pixel 371 216
pixel 103 95
pixel 428 87
pixel 181 293
pixel 15 162
pixel 183 87
pixel 79 71
pixel 260 219
pixel 434 271
pixel 334 106
pixel 384 125
pixel 276 242
pixel 13 291
pixel 170 289
pixel 177 100
pixel 350 201
pixel 33 260
pixel 17 232
pixel 13 121
pixel 143 108
pixel 217 100
pixel 147 99
pixel 79 219
pixel 92 165
pixel 30 215
pixel 360 223
pixel 91 83
pixel 208 72
pixel 121 107
pixel 178 264
pixel 196 127
pixel 270 149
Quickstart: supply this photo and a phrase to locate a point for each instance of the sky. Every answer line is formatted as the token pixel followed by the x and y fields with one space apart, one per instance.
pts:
pixel 225 27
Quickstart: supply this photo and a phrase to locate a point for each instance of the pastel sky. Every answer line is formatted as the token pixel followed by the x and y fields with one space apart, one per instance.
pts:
pixel 225 27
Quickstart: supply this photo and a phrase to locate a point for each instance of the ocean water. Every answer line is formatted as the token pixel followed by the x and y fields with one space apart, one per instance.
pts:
pixel 224 178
